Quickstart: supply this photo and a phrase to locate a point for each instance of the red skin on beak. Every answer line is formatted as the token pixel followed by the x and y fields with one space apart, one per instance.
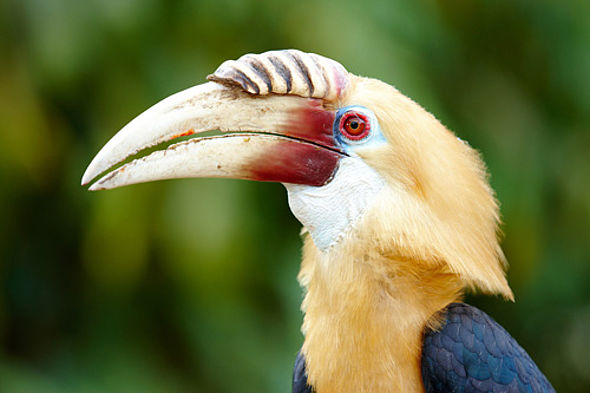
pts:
pixel 291 161
pixel 310 159
pixel 312 123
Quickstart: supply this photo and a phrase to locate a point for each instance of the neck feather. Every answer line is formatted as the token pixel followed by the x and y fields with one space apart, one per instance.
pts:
pixel 364 318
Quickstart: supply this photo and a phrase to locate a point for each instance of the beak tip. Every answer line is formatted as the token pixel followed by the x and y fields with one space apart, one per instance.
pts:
pixel 90 173
pixel 96 187
pixel 86 178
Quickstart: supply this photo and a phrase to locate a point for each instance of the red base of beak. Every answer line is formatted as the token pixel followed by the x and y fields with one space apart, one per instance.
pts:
pixel 296 162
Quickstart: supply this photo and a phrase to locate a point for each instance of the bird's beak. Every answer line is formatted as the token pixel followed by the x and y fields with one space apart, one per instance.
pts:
pixel 278 138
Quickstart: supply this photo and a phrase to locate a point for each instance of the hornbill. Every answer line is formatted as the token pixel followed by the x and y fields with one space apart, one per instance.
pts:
pixel 399 219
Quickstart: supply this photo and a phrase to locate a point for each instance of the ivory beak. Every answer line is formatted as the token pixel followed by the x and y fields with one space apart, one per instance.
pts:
pixel 280 138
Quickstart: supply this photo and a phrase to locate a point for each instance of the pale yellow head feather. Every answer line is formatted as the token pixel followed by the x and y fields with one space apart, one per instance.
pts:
pixel 442 209
pixel 429 234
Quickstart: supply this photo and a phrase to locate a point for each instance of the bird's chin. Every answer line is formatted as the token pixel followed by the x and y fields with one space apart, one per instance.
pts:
pixel 330 211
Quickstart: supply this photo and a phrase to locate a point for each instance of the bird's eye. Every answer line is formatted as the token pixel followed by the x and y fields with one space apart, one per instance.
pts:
pixel 354 126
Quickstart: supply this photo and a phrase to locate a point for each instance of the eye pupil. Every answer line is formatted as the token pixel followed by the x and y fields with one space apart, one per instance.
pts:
pixel 354 124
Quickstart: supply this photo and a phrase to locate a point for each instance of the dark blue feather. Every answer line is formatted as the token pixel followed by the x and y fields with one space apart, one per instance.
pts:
pixel 300 376
pixel 472 353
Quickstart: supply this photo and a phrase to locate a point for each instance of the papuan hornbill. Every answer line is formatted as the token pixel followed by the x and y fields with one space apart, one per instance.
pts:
pixel 399 219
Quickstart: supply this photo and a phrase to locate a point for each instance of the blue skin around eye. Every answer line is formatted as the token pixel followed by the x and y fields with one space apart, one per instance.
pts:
pixel 375 136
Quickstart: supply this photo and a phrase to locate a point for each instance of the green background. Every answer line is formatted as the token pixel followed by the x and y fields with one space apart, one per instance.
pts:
pixel 189 285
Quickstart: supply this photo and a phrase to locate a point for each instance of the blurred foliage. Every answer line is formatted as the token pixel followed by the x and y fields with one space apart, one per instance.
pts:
pixel 189 285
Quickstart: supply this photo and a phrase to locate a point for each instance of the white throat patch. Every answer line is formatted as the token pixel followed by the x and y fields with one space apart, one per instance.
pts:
pixel 329 211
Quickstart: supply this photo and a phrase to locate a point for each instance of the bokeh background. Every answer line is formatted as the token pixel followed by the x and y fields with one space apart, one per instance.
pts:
pixel 189 285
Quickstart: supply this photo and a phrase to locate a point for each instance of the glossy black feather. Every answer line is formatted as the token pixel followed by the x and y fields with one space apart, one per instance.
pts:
pixel 472 353
pixel 300 376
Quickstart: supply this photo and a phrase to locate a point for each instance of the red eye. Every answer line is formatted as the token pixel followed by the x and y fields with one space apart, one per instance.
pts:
pixel 354 126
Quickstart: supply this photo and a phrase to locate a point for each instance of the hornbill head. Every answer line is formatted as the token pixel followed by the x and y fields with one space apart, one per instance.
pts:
pixel 368 171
